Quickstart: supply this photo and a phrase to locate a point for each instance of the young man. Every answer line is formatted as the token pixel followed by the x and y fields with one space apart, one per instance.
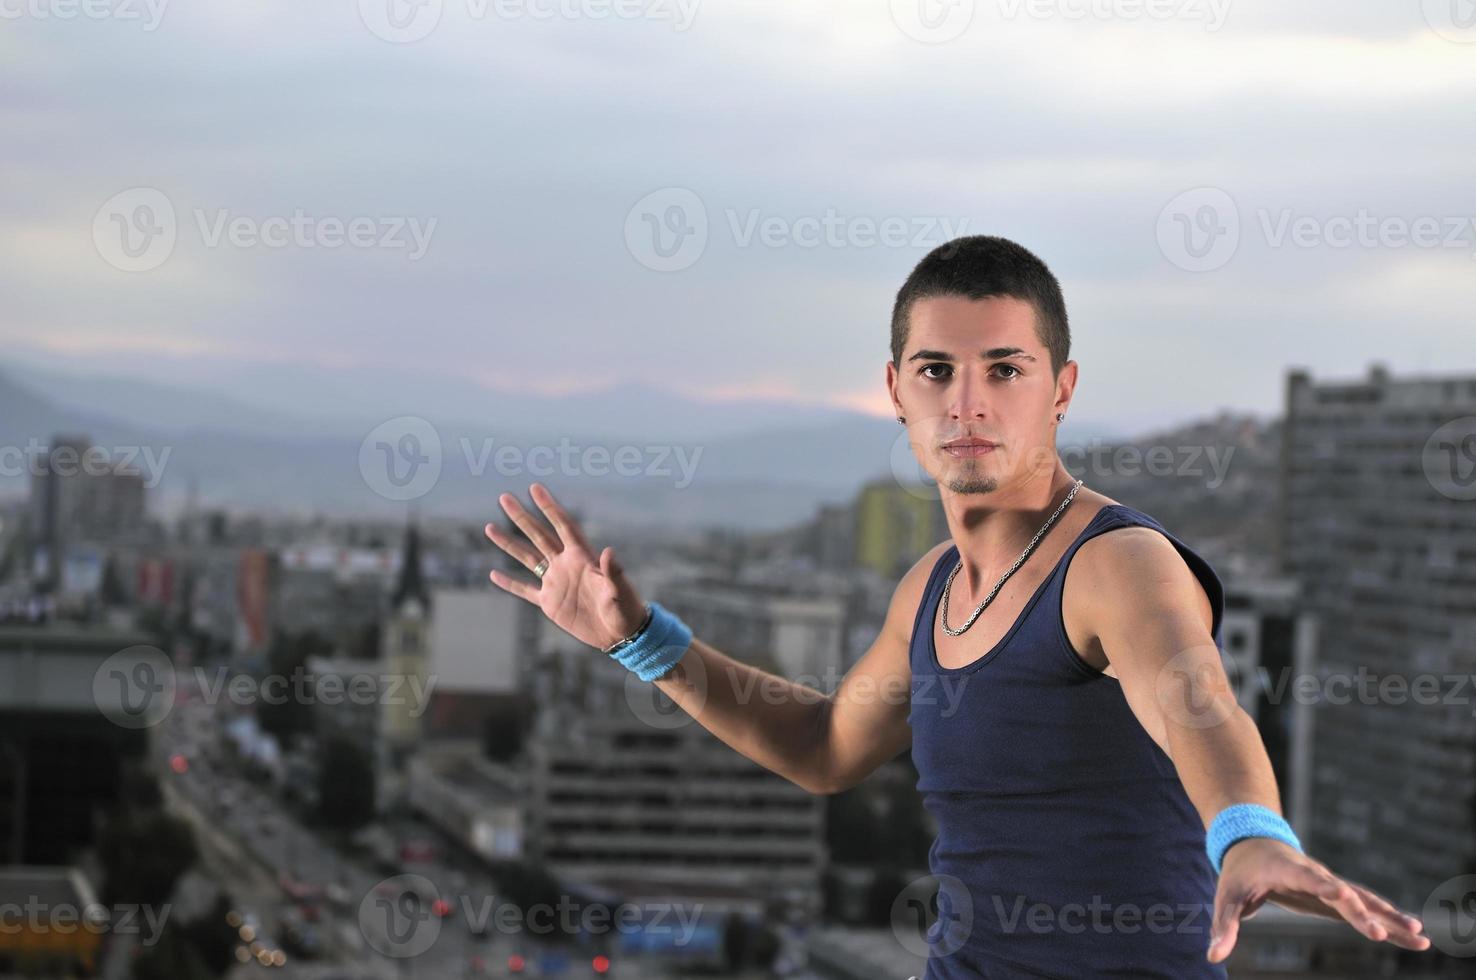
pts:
pixel 1054 667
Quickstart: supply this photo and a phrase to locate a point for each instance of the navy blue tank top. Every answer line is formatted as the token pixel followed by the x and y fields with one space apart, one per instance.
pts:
pixel 1067 846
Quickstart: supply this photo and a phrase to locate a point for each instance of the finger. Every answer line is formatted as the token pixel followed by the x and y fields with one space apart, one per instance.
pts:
pixel 564 524
pixel 521 589
pixel 522 552
pixel 1345 898
pixel 1226 925
pixel 1403 929
pixel 530 525
pixel 612 569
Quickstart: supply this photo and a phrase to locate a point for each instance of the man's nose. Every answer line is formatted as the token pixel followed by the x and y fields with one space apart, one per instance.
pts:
pixel 970 397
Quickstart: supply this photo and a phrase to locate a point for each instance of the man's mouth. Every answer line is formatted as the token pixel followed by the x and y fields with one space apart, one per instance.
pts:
pixel 966 448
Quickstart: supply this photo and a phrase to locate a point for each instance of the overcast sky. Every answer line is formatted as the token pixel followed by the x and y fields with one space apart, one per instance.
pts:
pixel 723 198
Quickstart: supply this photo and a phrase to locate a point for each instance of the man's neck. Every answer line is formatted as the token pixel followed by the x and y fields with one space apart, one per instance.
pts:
pixel 992 529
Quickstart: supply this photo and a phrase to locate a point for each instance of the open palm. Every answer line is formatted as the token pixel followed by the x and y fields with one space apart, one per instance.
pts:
pixel 591 600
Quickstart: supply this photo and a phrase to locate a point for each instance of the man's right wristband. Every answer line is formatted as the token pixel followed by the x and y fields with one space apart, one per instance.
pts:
pixel 1242 820
pixel 657 647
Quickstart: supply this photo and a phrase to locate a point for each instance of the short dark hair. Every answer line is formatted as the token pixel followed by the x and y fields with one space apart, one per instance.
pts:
pixel 980 266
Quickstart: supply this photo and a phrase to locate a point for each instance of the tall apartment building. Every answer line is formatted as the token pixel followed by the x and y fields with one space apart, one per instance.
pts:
pixel 1378 522
pixel 797 635
pixel 1269 640
pixel 80 494
pixel 644 801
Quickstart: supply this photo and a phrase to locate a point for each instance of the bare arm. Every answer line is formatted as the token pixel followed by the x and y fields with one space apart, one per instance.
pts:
pixel 1153 619
pixel 821 743
pixel 824 744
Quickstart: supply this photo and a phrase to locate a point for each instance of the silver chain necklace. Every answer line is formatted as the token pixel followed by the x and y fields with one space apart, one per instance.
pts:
pixel 1018 562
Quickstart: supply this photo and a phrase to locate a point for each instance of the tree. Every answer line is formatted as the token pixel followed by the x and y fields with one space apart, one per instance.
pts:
pixel 143 853
pixel 346 790
pixel 287 658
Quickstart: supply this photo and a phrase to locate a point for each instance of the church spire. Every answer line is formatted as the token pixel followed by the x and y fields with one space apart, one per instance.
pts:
pixel 411 583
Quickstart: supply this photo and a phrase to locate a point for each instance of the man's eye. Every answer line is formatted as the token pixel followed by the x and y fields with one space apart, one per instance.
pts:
pixel 1012 368
pixel 923 371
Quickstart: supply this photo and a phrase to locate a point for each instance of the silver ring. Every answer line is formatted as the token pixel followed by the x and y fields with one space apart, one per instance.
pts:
pixel 540 568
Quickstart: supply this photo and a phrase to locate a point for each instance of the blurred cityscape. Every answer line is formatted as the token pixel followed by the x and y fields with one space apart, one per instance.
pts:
pixel 236 741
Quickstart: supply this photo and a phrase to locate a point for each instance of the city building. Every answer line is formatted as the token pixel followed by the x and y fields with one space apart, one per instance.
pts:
pixel 1378 523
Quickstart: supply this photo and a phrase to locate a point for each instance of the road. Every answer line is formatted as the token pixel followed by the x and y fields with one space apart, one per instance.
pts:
pixel 376 931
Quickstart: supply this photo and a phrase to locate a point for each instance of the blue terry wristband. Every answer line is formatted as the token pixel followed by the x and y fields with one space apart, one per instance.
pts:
pixel 660 645
pixel 1244 820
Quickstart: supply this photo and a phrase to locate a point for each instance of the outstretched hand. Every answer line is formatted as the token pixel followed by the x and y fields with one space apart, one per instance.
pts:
pixel 1260 869
pixel 590 599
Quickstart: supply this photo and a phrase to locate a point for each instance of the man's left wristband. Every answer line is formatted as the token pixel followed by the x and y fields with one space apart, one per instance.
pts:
pixel 657 647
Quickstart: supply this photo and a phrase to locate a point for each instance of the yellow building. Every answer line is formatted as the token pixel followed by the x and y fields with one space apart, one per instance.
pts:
pixel 896 525
pixel 52 925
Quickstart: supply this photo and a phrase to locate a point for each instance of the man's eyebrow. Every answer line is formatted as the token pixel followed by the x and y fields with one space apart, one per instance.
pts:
pixel 993 353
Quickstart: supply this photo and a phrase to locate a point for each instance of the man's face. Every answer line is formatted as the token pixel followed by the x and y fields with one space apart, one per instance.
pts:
pixel 976 370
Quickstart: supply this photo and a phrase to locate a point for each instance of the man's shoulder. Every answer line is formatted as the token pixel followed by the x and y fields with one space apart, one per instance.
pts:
pixel 1133 566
